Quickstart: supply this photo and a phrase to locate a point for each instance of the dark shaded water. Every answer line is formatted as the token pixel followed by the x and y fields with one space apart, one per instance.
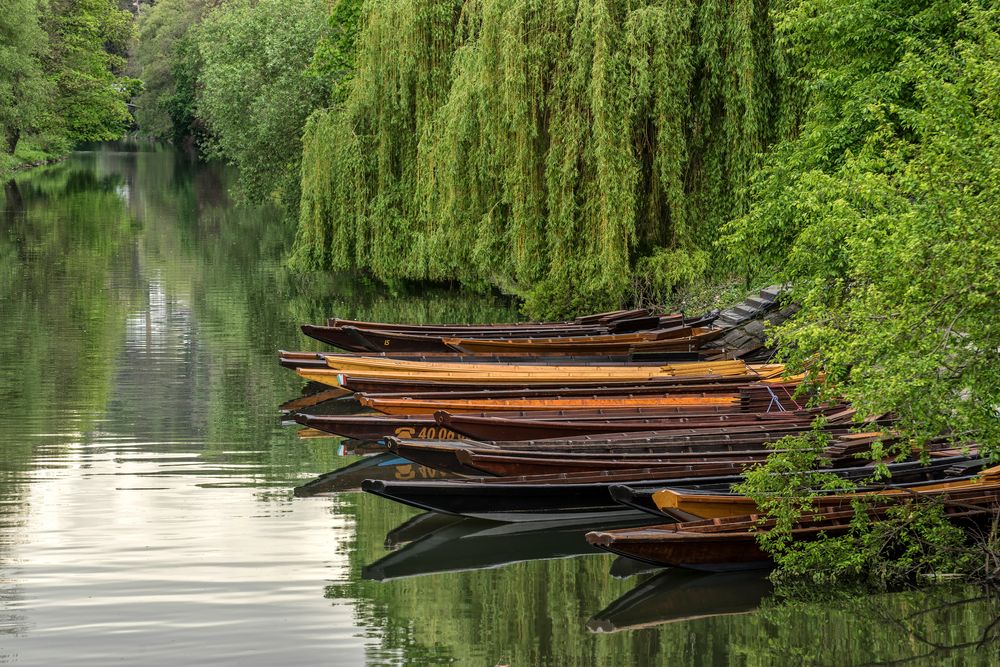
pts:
pixel 145 508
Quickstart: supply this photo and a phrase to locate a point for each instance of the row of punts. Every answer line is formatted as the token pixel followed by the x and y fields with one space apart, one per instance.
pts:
pixel 624 416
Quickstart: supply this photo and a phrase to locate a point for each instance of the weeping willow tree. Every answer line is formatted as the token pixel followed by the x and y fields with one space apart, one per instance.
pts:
pixel 567 151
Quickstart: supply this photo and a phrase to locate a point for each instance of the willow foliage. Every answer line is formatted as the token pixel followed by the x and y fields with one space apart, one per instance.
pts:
pixel 565 150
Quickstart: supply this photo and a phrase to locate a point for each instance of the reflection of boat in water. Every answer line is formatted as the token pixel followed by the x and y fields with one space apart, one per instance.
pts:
pixel 385 466
pixel 473 544
pixel 682 595
pixel 417 527
pixel 624 567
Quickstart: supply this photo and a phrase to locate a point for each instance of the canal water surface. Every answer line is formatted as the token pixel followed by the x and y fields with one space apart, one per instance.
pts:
pixel 146 513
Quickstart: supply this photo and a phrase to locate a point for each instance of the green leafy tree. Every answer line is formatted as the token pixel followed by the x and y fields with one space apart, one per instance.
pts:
pixel 255 92
pixel 334 58
pixel 23 87
pixel 166 60
pixel 86 65
pixel 884 214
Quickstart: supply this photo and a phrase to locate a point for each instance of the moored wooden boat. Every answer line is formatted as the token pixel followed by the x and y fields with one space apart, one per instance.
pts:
pixel 503 466
pixel 565 375
pixel 578 495
pixel 377 427
pixel 948 469
pixel 683 505
pixel 490 427
pixel 291 359
pixel 730 544
pixel 721 385
pixel 362 365
pixel 357 335
pixel 690 338
pixel 426 427
pixel 407 406
pixel 415 385
pixel 594 319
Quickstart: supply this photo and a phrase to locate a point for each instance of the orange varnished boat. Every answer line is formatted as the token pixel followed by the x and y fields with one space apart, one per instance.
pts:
pixel 362 364
pixel 685 505
pixel 408 406
pixel 730 543
pixel 567 375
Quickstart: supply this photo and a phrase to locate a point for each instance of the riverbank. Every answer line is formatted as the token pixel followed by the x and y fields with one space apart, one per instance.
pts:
pixel 31 153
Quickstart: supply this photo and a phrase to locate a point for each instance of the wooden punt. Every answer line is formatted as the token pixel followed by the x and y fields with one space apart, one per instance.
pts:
pixel 425 427
pixel 950 468
pixel 400 341
pixel 730 544
pixel 318 359
pixel 690 338
pixel 417 385
pixel 592 319
pixel 501 428
pixel 403 406
pixel 431 338
pixel 566 375
pixel 522 499
pixel 661 444
pixel 578 496
pixel 498 463
pixel 682 505
pixel 474 364
pixel 723 385
pixel 718 434
pixel 473 462
pixel 361 364
pixel 454 456
pixel 377 427
pixel 841 453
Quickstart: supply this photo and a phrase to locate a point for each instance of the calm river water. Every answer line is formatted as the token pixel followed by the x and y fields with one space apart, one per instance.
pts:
pixel 146 514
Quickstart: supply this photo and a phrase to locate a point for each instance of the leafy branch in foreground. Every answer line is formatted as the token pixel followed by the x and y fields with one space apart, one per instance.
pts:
pixel 907 540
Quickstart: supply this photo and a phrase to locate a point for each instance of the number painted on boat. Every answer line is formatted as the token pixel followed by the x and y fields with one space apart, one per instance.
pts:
pixel 408 471
pixel 426 433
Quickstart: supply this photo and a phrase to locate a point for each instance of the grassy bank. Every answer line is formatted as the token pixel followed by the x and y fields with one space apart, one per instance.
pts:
pixel 32 152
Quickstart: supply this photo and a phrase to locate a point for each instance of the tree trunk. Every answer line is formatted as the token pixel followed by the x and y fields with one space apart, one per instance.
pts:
pixel 13 136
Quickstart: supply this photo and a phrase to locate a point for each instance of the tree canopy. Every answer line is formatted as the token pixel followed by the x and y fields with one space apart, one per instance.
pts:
pixel 884 214
pixel 62 71
pixel 567 152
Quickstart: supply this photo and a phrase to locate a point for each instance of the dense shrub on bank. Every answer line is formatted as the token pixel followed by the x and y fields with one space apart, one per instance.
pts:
pixel 62 76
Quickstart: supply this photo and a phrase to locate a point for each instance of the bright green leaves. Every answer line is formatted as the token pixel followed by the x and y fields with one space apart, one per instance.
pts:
pixel 23 85
pixel 168 64
pixel 884 213
pixel 89 39
pixel 564 151
pixel 254 91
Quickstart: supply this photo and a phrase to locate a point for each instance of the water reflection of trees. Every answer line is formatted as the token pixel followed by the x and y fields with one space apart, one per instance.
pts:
pixel 537 612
